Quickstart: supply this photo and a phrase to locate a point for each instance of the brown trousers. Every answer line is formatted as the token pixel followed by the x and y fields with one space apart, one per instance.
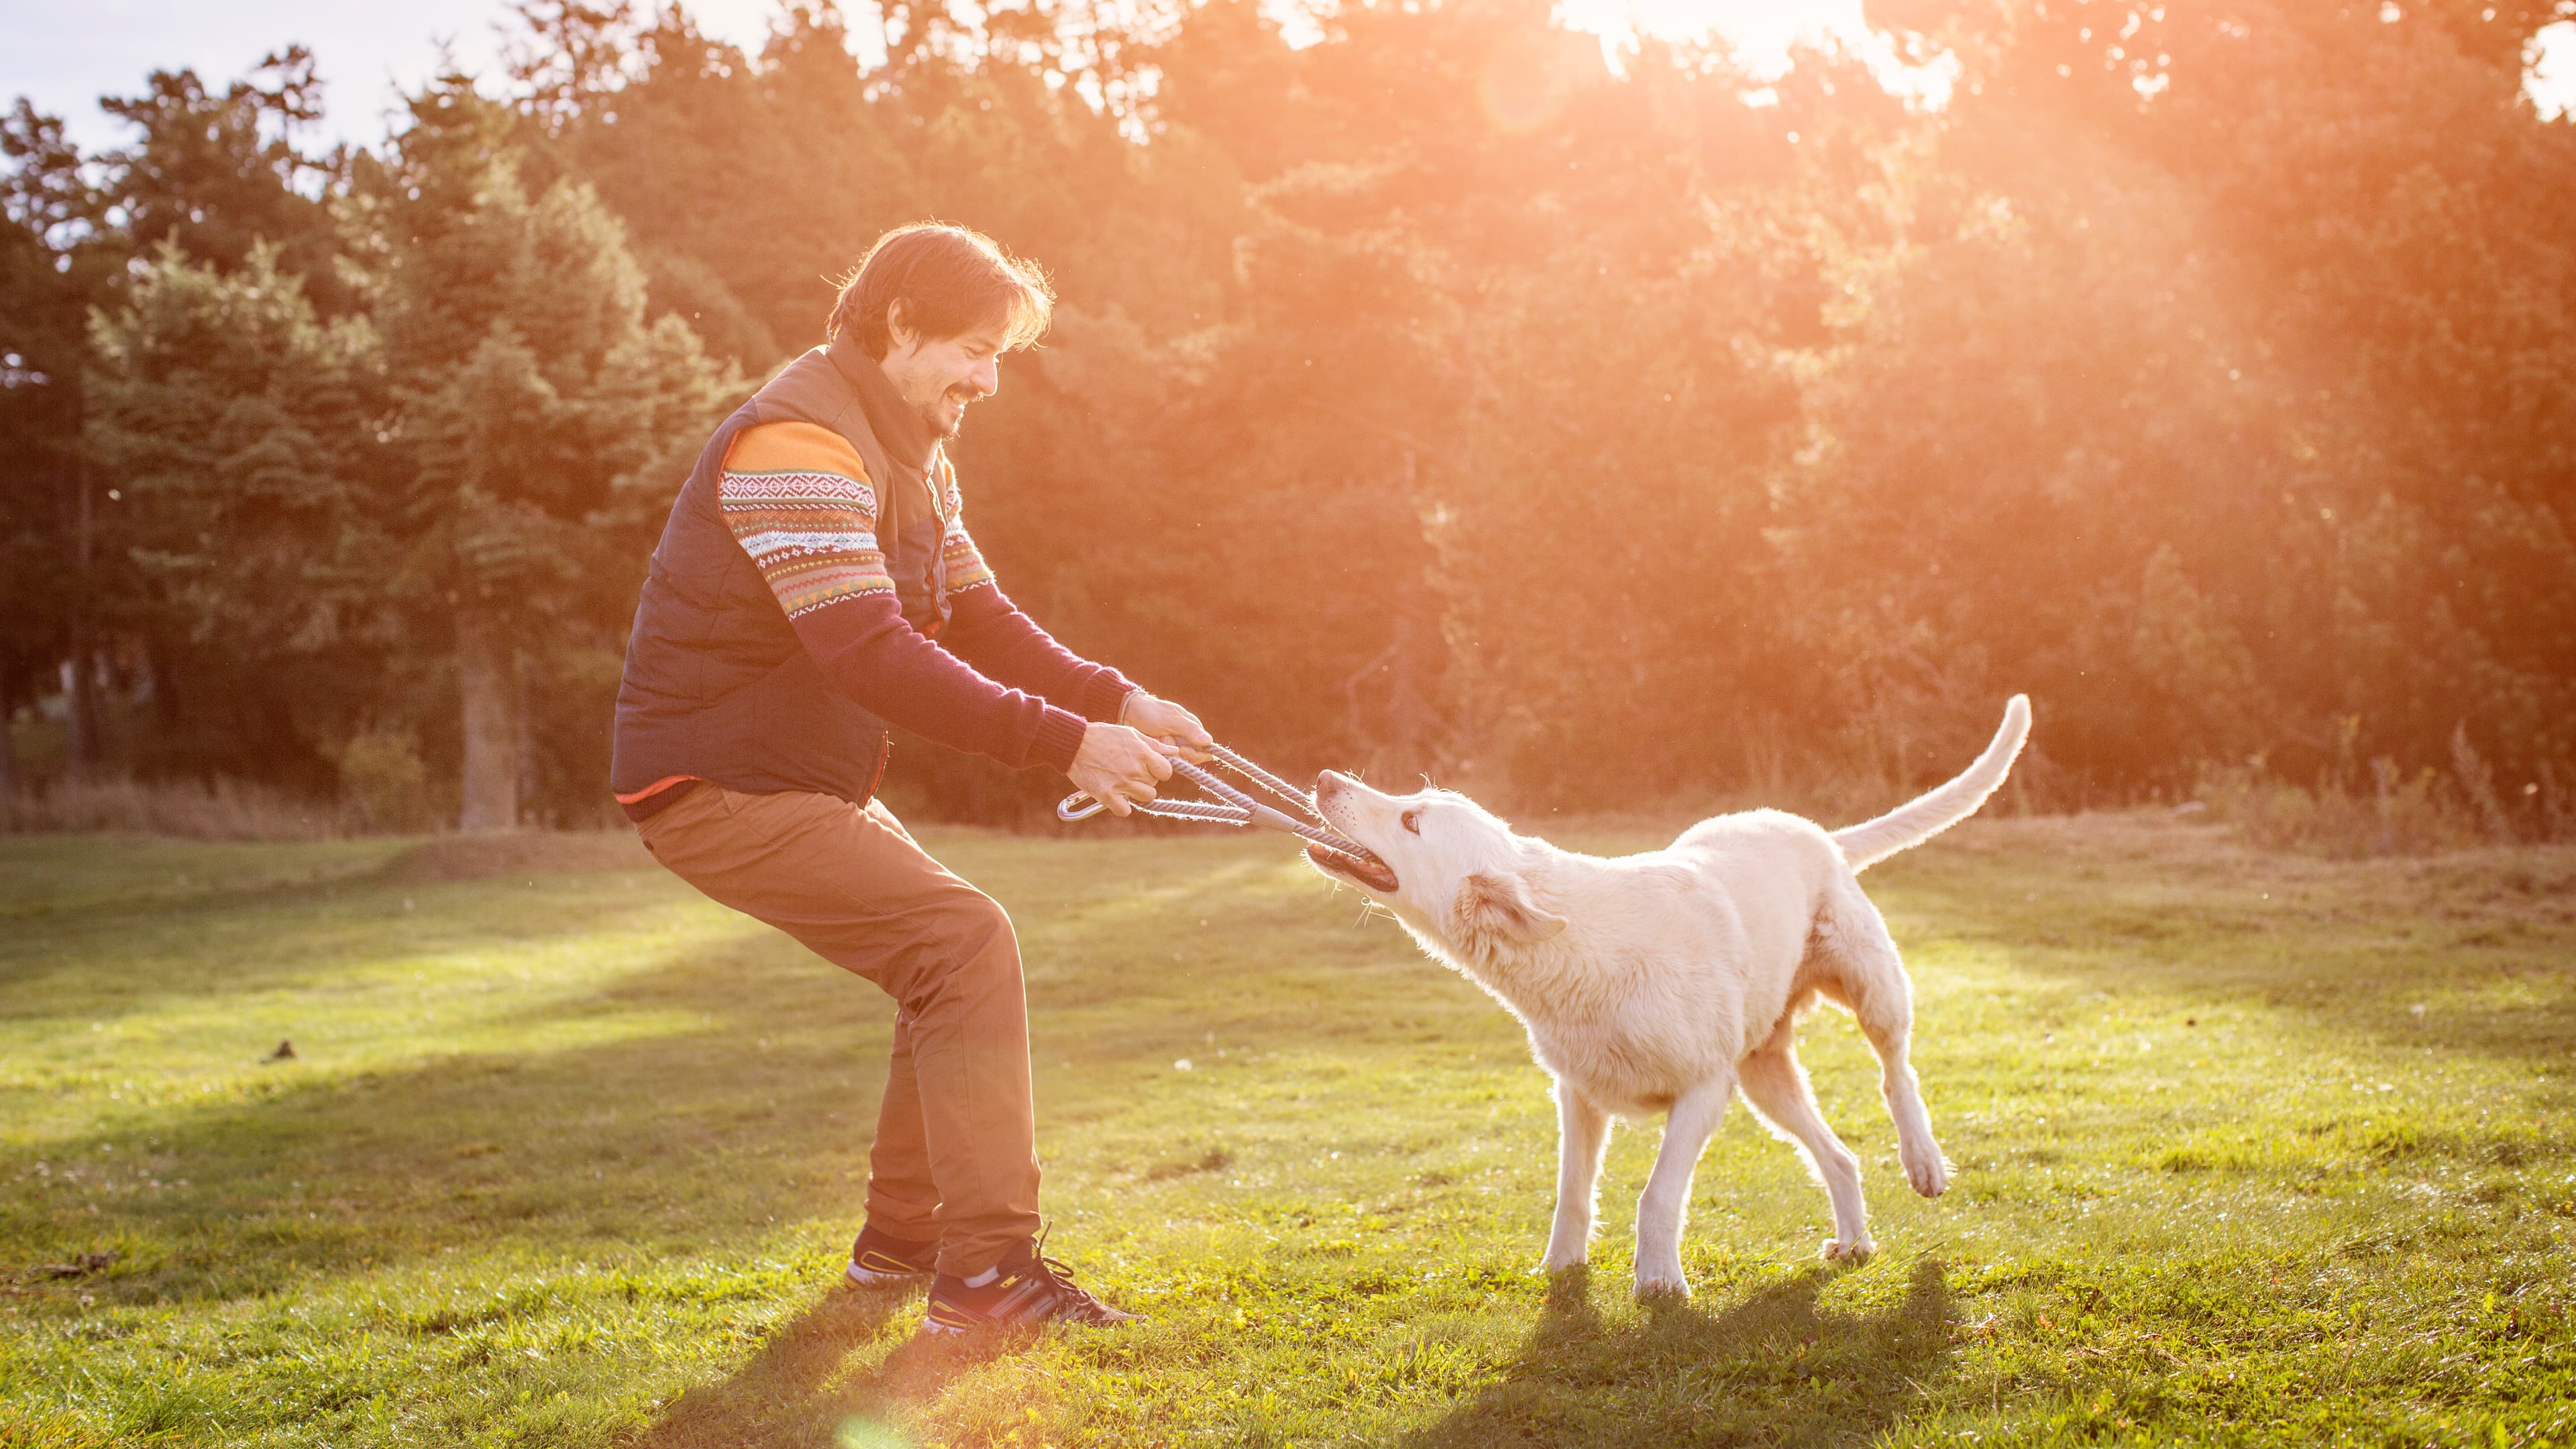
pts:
pixel 955 1160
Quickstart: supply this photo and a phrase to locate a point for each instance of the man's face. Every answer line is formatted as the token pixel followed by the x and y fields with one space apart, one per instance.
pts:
pixel 939 376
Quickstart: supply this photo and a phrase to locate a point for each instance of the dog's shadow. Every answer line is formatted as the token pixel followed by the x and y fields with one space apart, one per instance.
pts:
pixel 1772 1367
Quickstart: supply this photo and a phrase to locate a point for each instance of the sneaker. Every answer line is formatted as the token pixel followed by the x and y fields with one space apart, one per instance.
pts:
pixel 1030 1291
pixel 878 1260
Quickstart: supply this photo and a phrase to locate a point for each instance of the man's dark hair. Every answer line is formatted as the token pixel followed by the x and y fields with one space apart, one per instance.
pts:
pixel 951 280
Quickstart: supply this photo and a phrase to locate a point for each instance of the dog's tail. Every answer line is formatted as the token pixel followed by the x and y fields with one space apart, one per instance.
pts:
pixel 1917 821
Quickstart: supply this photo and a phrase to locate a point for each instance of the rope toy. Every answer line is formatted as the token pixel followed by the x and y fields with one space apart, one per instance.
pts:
pixel 1230 806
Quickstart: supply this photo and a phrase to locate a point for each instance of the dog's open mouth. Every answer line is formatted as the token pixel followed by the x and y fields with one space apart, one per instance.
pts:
pixel 1365 870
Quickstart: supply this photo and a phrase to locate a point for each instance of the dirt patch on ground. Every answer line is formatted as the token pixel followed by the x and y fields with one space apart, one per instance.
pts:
pixel 521 853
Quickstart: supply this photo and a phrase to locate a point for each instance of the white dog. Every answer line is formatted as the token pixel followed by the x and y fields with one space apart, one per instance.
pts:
pixel 1663 982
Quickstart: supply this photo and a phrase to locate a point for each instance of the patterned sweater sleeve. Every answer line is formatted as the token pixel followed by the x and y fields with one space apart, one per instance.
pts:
pixel 796 497
pixel 990 632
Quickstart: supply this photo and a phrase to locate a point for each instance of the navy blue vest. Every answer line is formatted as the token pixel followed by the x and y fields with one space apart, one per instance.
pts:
pixel 717 686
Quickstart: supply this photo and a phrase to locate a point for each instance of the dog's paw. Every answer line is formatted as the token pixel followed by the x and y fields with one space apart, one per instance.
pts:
pixel 1855 1250
pixel 1555 1263
pixel 1926 1168
pixel 1665 1283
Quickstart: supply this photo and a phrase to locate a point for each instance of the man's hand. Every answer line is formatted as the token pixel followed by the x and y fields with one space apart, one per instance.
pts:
pixel 1118 765
pixel 1167 722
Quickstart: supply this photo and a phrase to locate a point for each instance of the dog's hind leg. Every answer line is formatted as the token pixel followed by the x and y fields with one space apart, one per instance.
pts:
pixel 1869 978
pixel 1583 1131
pixel 1776 1085
pixel 1687 1126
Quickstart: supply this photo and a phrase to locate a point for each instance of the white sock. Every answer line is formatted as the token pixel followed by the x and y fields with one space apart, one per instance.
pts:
pixel 985 1277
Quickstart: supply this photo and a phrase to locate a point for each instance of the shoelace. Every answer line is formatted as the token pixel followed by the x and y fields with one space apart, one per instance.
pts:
pixel 1058 1273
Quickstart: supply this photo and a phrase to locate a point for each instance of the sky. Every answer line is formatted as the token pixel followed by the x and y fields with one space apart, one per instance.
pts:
pixel 63 56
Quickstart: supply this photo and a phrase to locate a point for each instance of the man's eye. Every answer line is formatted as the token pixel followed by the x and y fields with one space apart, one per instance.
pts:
pixel 1406 820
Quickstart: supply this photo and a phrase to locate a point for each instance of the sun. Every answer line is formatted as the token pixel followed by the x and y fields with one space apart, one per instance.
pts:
pixel 1761 32
pixel 1758 28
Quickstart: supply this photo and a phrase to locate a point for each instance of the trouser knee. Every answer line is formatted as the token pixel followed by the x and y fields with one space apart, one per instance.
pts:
pixel 982 950
pixel 985 928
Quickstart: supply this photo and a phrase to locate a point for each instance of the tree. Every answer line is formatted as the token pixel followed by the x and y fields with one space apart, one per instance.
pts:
pixel 218 174
pixel 536 414
pixel 243 431
pixel 56 259
pixel 2217 349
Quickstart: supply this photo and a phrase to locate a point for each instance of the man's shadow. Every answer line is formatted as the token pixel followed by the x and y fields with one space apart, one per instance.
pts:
pixel 1774 1368
pixel 792 1393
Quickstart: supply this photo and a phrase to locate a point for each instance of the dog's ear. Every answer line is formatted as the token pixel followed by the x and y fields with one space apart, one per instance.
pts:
pixel 1500 905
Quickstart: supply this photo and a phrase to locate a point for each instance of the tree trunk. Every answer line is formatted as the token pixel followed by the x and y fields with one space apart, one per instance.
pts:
pixel 524 722
pixel 80 691
pixel 80 710
pixel 485 666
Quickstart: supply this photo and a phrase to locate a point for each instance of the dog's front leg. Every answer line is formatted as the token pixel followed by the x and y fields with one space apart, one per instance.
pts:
pixel 1659 1208
pixel 1582 1131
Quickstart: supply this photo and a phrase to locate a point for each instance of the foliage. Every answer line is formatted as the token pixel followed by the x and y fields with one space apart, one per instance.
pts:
pixel 243 432
pixel 179 809
pixel 49 266
pixel 531 402
pixel 2349 813
pixel 2252 1149
pixel 384 783
pixel 1432 398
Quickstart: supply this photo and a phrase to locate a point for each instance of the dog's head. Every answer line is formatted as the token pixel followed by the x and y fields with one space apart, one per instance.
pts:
pixel 1461 876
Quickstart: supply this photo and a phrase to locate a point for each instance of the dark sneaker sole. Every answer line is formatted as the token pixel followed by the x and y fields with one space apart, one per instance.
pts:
pixel 941 1321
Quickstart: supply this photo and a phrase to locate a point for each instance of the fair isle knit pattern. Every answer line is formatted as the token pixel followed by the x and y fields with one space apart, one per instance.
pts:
pixel 958 556
pixel 797 498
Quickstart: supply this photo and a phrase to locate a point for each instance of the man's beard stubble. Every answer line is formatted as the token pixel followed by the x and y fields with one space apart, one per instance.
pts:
pixel 944 431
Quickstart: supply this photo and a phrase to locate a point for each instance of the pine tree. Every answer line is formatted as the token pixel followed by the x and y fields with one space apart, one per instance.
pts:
pixel 218 173
pixel 532 403
pixel 57 257
pixel 242 430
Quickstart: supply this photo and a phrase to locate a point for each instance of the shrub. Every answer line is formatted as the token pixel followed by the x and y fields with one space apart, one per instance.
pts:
pixel 2398 815
pixel 384 787
pixel 190 809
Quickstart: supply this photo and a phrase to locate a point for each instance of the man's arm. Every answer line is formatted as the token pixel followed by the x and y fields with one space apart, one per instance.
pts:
pixel 796 497
pixel 990 632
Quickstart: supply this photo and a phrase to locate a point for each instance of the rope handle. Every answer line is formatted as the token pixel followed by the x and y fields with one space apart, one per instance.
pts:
pixel 1237 809
pixel 1231 806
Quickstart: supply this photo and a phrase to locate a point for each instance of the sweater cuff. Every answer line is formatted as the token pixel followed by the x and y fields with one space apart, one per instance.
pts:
pixel 1059 739
pixel 1104 694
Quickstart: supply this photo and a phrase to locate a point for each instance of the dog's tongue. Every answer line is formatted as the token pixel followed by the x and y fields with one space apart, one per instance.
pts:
pixel 1358 865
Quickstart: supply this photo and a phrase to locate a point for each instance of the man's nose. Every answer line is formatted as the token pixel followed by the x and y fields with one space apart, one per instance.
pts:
pixel 986 379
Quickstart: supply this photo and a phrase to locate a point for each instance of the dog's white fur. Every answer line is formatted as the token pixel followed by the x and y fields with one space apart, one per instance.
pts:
pixel 1667 981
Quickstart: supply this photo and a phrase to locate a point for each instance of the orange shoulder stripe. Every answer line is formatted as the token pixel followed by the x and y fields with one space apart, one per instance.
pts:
pixel 794 448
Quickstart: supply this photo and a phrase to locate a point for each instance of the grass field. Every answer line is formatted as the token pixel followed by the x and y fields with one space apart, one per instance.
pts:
pixel 2251 1149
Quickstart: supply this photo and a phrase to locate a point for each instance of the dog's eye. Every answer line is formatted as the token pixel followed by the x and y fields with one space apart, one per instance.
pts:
pixel 1407 820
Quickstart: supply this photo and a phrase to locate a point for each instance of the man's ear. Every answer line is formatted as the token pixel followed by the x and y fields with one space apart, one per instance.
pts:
pixel 899 333
pixel 1500 905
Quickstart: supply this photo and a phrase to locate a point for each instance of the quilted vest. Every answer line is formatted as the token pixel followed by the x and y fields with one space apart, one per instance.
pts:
pixel 717 685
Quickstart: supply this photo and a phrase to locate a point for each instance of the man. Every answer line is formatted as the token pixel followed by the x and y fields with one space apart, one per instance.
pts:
pixel 816 582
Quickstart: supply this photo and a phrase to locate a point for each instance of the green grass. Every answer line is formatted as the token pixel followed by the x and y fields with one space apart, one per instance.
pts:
pixel 2252 1149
